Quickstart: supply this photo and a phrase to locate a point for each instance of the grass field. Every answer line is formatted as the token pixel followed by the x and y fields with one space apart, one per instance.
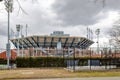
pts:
pixel 36 73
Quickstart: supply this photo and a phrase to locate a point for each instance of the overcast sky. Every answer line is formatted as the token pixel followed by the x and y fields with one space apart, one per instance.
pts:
pixel 71 16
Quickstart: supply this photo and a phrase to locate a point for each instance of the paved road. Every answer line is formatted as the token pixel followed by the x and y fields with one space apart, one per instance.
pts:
pixel 91 78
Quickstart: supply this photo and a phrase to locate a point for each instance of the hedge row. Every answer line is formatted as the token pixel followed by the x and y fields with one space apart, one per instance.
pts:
pixel 32 62
pixel 40 62
pixel 4 61
pixel 35 62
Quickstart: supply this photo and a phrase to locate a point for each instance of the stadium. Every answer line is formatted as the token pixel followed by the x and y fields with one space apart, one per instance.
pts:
pixel 61 50
pixel 55 44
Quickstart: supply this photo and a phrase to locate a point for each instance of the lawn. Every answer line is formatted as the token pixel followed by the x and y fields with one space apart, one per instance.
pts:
pixel 36 73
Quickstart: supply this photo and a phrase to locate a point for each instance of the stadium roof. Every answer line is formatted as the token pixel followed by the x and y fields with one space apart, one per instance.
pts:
pixel 51 41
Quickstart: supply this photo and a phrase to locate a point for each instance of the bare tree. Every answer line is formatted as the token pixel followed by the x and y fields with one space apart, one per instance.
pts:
pixel 18 1
pixel 20 7
pixel 115 34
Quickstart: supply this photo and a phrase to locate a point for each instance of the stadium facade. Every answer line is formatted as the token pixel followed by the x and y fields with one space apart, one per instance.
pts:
pixel 55 44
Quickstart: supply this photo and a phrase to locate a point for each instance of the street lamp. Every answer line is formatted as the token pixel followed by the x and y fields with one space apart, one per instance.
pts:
pixel 9 8
pixel 97 33
pixel 18 30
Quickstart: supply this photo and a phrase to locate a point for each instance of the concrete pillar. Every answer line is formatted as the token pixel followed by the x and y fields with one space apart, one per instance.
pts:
pixel 36 53
pixel 33 52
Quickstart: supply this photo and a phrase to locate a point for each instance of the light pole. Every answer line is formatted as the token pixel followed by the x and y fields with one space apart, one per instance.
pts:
pixel 97 33
pixel 9 8
pixel 26 29
pixel 22 45
pixel 18 30
pixel 22 36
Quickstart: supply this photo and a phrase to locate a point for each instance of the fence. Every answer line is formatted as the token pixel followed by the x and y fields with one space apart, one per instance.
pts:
pixel 70 58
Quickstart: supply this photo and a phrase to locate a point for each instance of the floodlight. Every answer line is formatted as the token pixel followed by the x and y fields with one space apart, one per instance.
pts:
pixel 18 27
pixel 97 31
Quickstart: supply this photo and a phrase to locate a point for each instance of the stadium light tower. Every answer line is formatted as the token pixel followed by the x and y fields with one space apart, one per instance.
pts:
pixel 18 30
pixel 22 36
pixel 9 8
pixel 97 33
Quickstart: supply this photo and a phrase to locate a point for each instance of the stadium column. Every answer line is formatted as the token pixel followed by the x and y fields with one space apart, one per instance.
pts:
pixel 74 60
pixel 90 58
pixel 55 50
pixel 48 50
pixel 33 52
pixel 29 52
pixel 36 52
pixel 63 55
pixel 79 52
pixel 69 58
pixel 41 51
pixel 63 52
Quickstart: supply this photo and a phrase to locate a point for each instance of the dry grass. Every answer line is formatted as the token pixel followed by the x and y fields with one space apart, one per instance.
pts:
pixel 31 73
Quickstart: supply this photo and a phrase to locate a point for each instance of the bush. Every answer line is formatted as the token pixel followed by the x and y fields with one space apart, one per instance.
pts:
pixel 4 61
pixel 40 62
pixel 37 62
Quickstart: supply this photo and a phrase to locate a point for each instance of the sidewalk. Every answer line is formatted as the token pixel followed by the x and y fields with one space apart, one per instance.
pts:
pixel 91 78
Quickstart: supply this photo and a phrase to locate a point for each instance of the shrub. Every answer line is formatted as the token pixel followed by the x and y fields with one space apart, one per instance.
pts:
pixel 4 61
pixel 40 62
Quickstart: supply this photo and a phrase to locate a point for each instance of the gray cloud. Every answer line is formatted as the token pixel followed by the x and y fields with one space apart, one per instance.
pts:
pixel 112 4
pixel 71 16
pixel 69 13
pixel 82 12
pixel 3 29
pixel 39 18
